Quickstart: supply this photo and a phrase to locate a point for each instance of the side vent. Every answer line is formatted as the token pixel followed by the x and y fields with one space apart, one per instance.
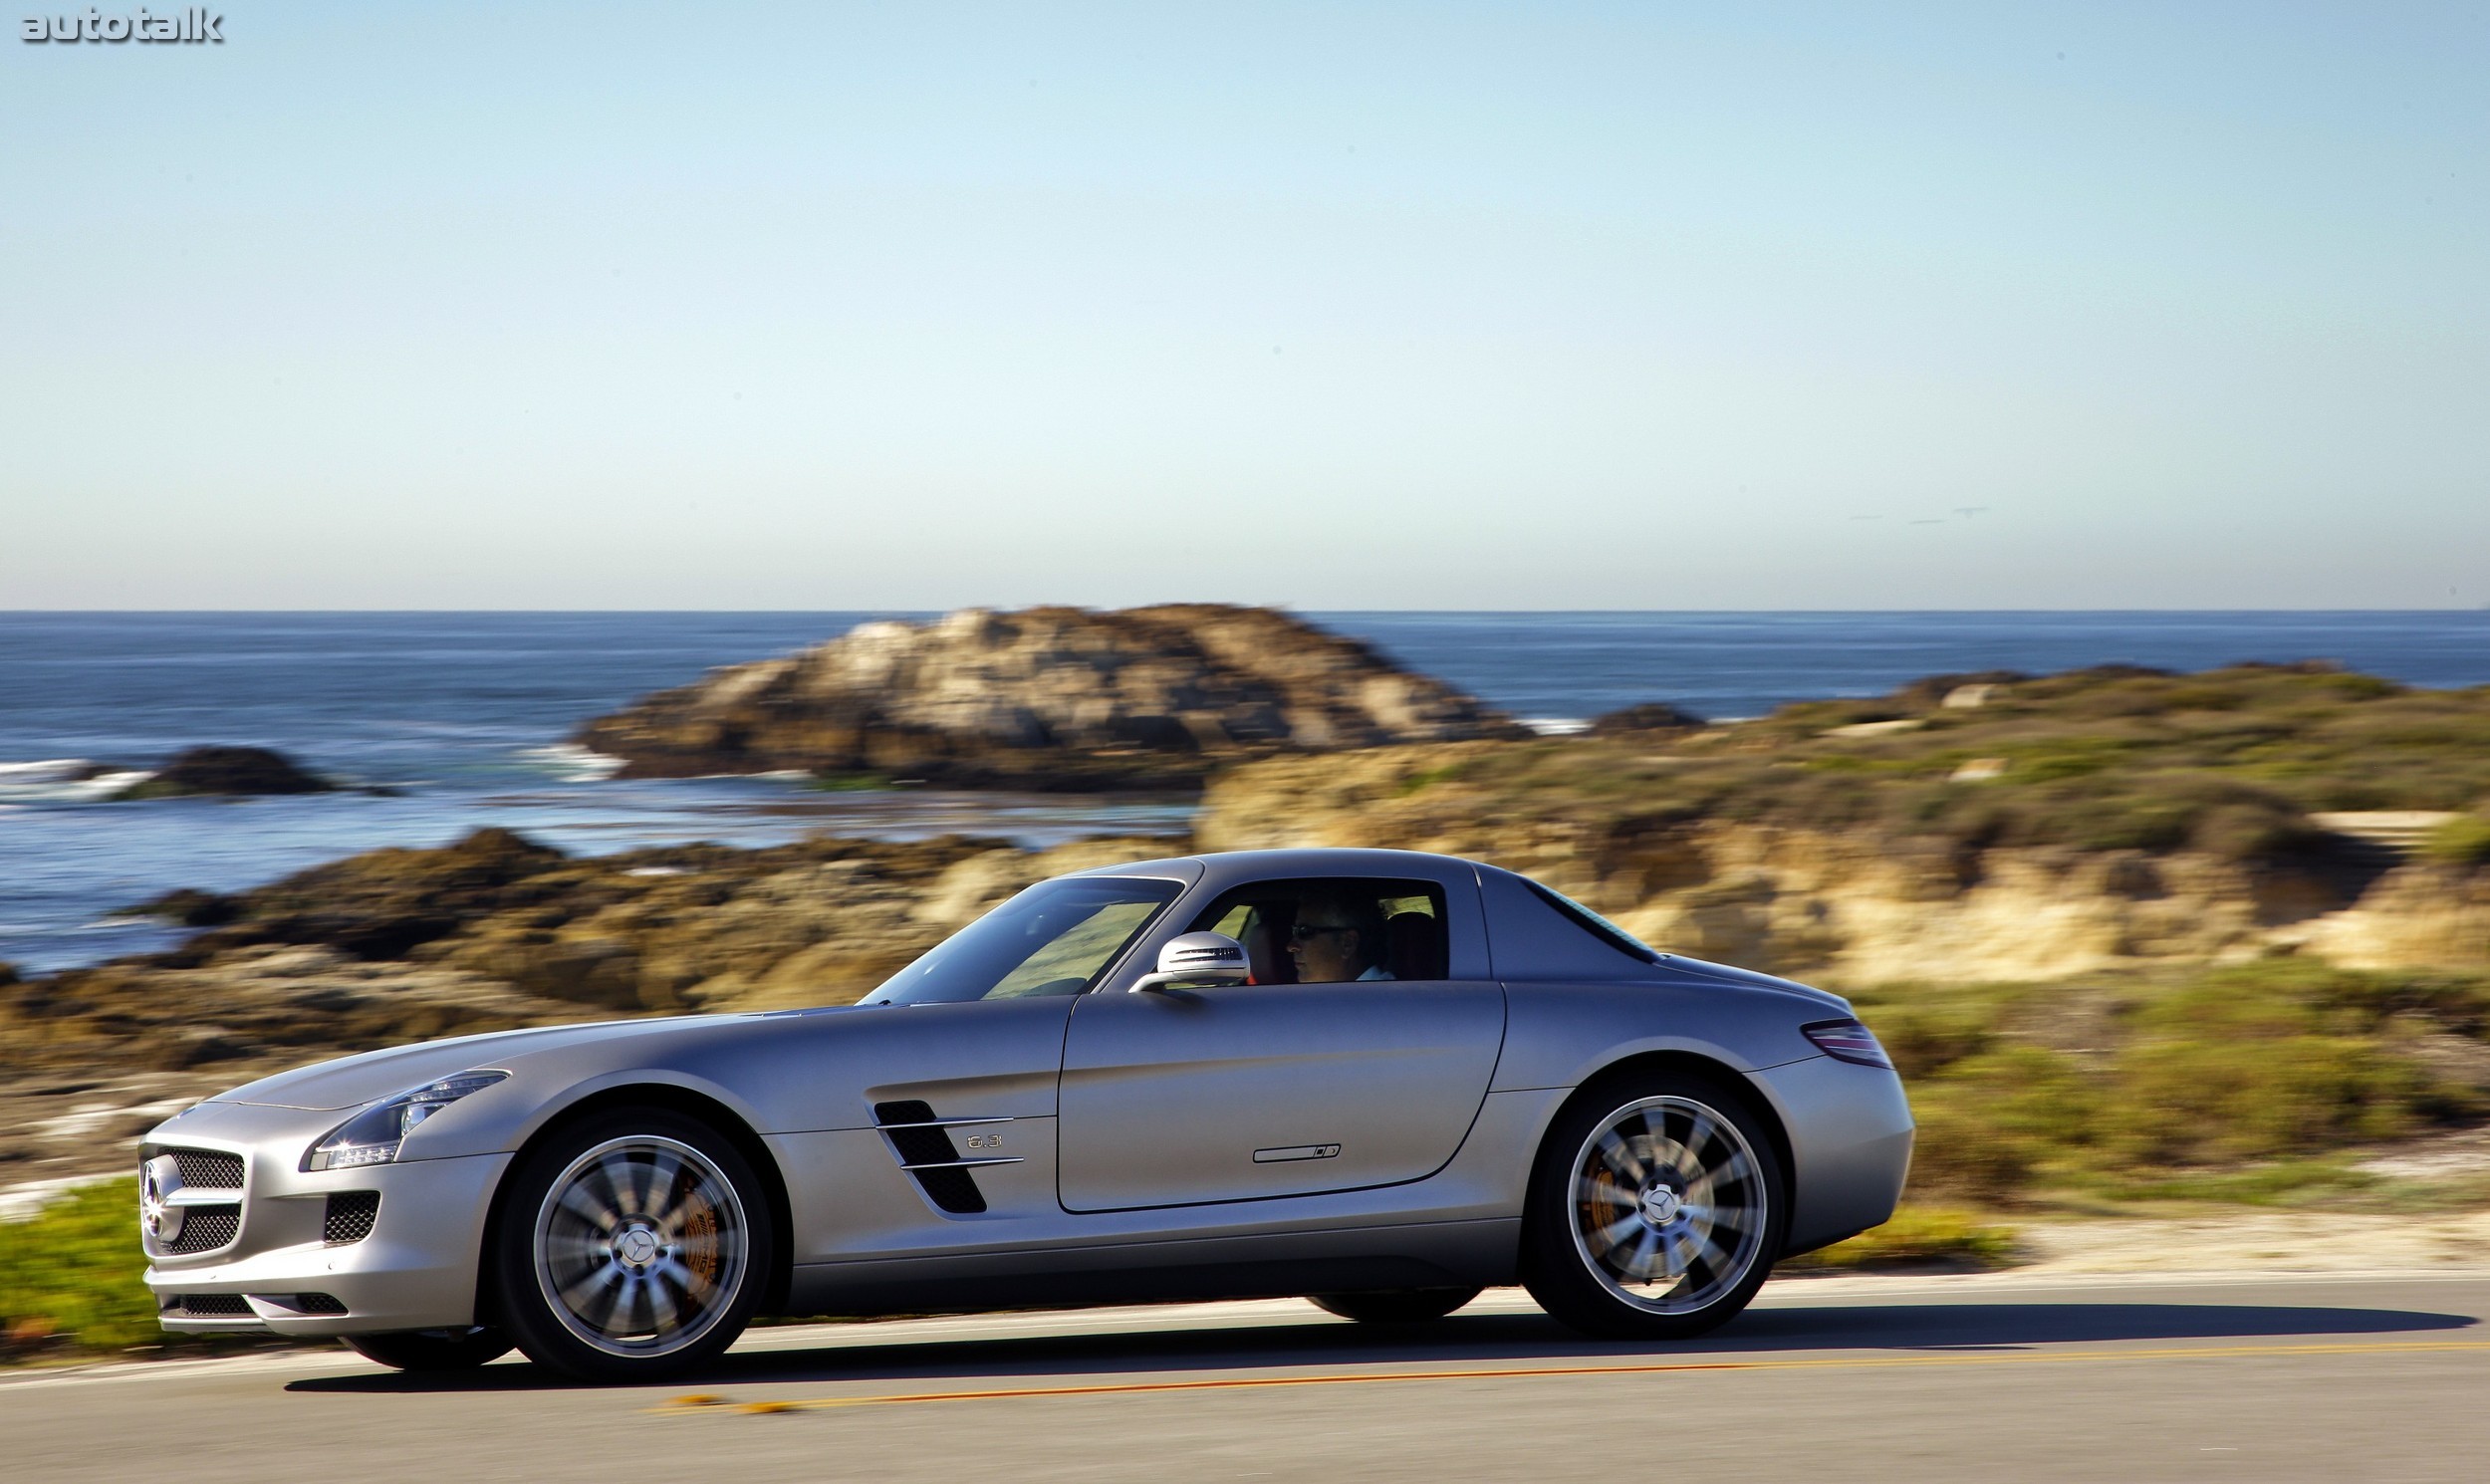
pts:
pixel 925 1150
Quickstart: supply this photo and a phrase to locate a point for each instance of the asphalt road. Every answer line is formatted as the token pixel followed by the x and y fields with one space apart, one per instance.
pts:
pixel 2263 1379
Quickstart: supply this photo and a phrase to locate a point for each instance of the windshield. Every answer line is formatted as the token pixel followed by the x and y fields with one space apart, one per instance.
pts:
pixel 1055 939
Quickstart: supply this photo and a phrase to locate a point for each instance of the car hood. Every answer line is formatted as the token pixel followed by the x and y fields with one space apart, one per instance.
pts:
pixel 352 1081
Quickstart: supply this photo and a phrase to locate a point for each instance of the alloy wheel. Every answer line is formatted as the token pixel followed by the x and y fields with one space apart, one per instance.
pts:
pixel 1669 1205
pixel 641 1244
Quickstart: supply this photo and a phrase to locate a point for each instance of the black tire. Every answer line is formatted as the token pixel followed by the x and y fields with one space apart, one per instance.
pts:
pixel 426 1351
pixel 686 1238
pixel 1404 1306
pixel 1697 1253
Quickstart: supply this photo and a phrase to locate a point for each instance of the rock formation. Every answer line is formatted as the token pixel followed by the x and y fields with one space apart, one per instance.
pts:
pixel 1045 698
pixel 1650 719
pixel 227 769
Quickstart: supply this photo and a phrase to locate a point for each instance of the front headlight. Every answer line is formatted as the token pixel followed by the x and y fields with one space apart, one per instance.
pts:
pixel 373 1136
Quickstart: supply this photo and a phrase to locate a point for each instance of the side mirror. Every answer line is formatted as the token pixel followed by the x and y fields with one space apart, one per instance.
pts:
pixel 1198 958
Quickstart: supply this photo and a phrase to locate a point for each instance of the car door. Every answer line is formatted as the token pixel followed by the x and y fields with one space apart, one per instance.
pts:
pixel 1252 1091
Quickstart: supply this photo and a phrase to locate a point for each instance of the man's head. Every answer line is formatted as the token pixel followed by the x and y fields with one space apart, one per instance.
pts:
pixel 1332 941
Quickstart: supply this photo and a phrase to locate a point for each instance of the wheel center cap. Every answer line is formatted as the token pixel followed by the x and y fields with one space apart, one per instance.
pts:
pixel 1661 1205
pixel 636 1247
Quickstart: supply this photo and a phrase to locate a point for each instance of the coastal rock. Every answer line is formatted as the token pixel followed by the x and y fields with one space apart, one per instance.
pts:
pixel 1045 698
pixel 1651 718
pixel 227 769
pixel 190 908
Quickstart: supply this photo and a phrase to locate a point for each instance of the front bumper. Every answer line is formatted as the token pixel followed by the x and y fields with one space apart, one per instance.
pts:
pixel 417 1269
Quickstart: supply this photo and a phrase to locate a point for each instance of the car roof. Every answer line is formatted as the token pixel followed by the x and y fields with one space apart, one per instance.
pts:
pixel 1225 866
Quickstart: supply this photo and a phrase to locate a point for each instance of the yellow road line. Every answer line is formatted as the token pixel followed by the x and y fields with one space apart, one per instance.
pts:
pixel 687 1404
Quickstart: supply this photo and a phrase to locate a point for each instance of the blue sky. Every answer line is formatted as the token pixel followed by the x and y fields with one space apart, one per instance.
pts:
pixel 1528 306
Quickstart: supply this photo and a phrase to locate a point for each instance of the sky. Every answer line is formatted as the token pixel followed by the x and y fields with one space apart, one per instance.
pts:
pixel 1529 306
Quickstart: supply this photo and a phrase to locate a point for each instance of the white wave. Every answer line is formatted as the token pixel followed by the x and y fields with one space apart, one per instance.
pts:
pixel 49 770
pixel 56 781
pixel 1556 726
pixel 576 764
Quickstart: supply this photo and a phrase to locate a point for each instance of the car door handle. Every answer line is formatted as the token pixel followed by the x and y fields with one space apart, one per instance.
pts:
pixel 1297 1152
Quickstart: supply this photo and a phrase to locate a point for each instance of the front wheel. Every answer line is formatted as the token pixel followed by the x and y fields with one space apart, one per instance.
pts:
pixel 630 1247
pixel 1655 1209
pixel 426 1351
pixel 1405 1306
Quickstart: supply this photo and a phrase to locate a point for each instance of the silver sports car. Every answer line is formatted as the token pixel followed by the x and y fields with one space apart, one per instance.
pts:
pixel 1377 1079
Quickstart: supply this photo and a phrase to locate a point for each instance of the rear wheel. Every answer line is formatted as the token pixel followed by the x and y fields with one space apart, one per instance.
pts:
pixel 1655 1209
pixel 632 1246
pixel 426 1350
pixel 1407 1305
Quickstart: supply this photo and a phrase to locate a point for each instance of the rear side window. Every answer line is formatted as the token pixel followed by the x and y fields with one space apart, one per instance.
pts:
pixel 1336 929
pixel 1592 923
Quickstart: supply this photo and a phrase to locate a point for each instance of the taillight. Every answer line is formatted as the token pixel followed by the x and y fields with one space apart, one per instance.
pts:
pixel 1848 1041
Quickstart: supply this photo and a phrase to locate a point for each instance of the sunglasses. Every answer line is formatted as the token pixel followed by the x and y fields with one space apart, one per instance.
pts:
pixel 1303 931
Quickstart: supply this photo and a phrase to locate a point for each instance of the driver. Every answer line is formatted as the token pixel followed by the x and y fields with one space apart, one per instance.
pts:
pixel 1334 941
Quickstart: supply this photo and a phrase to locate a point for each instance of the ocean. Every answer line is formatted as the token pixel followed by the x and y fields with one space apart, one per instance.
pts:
pixel 463 715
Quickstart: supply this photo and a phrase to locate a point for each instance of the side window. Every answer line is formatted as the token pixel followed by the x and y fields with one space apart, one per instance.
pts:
pixel 1334 930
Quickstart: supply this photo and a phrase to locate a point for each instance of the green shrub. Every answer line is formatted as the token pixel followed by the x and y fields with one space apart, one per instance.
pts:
pixel 2205 1102
pixel 2190 1084
pixel 2281 1182
pixel 1917 1236
pixel 1994 1124
pixel 1925 1039
pixel 70 1274
pixel 2462 840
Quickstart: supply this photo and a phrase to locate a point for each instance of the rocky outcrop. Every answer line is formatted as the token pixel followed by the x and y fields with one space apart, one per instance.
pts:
pixel 1047 698
pixel 498 930
pixel 227 769
pixel 1860 909
pixel 1650 720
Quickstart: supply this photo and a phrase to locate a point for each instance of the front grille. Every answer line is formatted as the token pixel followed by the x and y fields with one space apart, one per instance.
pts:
pixel 954 1190
pixel 209 1306
pixel 206 1228
pixel 208 1169
pixel 349 1217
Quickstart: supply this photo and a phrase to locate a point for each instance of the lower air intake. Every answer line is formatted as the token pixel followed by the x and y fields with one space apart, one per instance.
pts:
pixel 207 1305
pixel 349 1217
